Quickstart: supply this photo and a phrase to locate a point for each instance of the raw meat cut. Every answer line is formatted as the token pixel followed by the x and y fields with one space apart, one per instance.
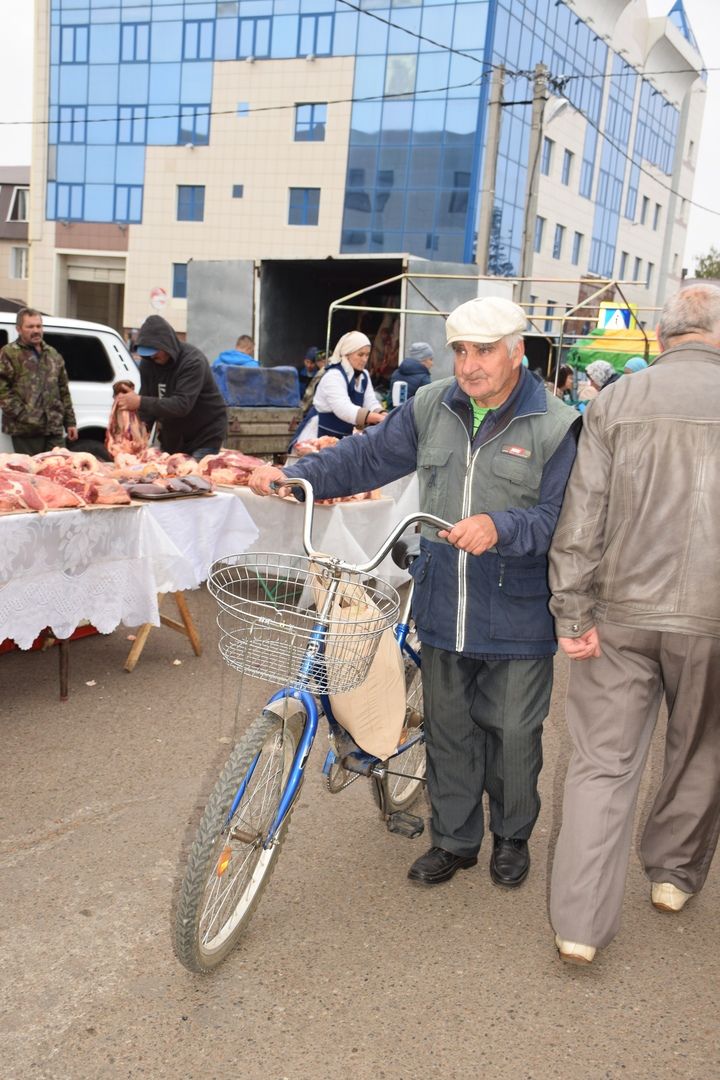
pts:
pixel 126 433
pixel 20 493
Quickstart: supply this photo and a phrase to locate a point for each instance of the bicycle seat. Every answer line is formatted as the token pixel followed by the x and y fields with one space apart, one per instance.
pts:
pixel 406 550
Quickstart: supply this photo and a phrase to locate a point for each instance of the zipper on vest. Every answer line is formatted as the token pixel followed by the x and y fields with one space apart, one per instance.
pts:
pixel 502 574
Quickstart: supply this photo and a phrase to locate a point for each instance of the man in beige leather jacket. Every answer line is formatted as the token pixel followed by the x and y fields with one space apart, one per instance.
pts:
pixel 634 573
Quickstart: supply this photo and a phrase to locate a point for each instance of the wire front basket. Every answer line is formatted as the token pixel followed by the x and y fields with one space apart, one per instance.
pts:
pixel 269 612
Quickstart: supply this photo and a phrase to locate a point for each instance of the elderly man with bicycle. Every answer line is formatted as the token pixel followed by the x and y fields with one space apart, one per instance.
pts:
pixel 493 450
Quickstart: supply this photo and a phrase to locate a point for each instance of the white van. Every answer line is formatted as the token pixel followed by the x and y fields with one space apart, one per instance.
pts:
pixel 95 357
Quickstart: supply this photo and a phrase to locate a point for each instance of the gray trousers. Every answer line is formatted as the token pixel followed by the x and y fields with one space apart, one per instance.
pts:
pixel 612 707
pixel 483 729
pixel 36 444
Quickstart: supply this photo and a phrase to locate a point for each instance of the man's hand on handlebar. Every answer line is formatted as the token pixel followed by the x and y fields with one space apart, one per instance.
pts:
pixel 475 534
pixel 262 479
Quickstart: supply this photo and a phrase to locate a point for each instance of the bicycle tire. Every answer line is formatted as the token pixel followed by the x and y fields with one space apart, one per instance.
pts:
pixel 214 909
pixel 398 792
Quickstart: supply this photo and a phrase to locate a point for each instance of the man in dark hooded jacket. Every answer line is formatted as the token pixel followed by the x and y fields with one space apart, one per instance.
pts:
pixel 178 391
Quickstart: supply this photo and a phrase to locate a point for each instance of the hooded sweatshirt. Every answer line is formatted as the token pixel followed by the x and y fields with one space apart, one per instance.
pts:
pixel 181 395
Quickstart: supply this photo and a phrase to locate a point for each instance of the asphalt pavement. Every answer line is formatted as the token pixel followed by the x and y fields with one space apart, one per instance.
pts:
pixel 347 968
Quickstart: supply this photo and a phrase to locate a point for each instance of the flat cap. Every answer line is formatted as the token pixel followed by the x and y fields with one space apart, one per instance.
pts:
pixel 485 319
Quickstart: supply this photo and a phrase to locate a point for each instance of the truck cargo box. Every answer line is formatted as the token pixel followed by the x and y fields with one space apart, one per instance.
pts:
pixel 261 432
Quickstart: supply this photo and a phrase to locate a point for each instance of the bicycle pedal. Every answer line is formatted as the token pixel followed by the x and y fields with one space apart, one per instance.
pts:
pixel 330 759
pixel 406 824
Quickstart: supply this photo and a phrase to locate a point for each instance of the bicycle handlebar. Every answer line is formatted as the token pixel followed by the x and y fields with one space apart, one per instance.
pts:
pixel 365 568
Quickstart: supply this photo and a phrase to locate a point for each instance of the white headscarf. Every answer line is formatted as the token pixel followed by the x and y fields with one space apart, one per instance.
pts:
pixel 348 343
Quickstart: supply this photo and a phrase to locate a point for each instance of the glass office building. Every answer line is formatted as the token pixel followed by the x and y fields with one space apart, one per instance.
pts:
pixel 125 76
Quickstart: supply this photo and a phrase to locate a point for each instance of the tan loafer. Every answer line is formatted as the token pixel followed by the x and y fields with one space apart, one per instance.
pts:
pixel 572 952
pixel 667 897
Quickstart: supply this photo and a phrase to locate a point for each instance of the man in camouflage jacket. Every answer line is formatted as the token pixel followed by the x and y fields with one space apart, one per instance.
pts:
pixel 34 392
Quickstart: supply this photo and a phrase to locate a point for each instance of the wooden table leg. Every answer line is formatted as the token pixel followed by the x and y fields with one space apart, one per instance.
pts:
pixel 64 661
pixel 138 646
pixel 190 628
pixel 186 627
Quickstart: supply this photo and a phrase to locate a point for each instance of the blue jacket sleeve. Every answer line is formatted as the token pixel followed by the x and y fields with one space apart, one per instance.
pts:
pixel 383 453
pixel 529 532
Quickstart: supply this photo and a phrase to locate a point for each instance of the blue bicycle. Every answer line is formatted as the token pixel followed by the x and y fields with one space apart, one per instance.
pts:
pixel 312 623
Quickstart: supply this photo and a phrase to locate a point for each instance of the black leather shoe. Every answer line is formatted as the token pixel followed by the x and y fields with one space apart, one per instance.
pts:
pixel 438 865
pixel 510 862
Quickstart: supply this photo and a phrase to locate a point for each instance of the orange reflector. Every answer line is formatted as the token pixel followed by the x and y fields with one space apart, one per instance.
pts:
pixel 223 861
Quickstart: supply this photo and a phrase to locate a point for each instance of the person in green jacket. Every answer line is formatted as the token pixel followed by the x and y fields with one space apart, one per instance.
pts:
pixel 34 393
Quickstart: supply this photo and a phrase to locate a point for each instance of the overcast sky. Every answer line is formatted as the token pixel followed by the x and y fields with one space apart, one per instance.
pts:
pixel 16 31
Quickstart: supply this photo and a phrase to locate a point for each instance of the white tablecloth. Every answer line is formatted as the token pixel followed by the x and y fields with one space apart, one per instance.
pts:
pixel 352 531
pixel 107 566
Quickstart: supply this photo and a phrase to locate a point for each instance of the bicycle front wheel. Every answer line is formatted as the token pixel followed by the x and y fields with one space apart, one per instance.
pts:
pixel 228 866
pixel 402 784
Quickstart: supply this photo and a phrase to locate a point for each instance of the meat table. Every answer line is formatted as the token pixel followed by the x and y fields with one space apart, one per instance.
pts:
pixel 107 566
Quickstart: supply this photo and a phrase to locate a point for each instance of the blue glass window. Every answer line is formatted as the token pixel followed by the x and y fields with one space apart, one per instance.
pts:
pixel 243 108
pixel 132 124
pixel 198 39
pixel 577 248
pixel 644 209
pixel 304 206
pixel 71 128
pixel 588 162
pixel 549 324
pixel 69 202
pixel 636 269
pixel 623 264
pixel 238 191
pixel 179 283
pixel 656 216
pixel 539 230
pixel 128 202
pixel 254 38
pixel 315 35
pixel 74 45
pixel 135 42
pixel 567 166
pixel 194 126
pixel 310 122
pixel 558 241
pixel 547 156
pixel 649 275
pixel 191 202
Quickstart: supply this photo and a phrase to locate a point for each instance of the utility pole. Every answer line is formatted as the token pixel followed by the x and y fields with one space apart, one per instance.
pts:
pixel 487 191
pixel 540 96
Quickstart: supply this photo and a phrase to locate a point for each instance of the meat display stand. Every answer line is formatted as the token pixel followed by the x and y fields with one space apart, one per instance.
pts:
pixel 186 627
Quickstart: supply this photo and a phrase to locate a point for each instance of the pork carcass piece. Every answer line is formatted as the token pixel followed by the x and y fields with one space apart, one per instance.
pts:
pixel 126 433
pixel 182 465
pixel 229 467
pixel 17 462
pixel 94 488
pixel 20 493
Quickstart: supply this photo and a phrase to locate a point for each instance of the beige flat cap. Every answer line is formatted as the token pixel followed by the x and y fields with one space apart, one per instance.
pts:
pixel 485 319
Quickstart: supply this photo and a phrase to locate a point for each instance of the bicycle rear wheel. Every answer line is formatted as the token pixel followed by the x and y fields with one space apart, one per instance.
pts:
pixel 401 790
pixel 228 867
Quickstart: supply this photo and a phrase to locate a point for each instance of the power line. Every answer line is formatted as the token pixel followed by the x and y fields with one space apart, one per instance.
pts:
pixel 634 161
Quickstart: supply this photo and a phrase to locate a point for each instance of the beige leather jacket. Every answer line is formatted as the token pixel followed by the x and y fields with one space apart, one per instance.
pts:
pixel 638 538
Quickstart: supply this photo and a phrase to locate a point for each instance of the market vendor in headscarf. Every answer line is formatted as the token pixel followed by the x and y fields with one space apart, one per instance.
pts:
pixel 345 398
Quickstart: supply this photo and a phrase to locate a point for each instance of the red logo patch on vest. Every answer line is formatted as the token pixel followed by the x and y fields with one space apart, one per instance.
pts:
pixel 516 451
